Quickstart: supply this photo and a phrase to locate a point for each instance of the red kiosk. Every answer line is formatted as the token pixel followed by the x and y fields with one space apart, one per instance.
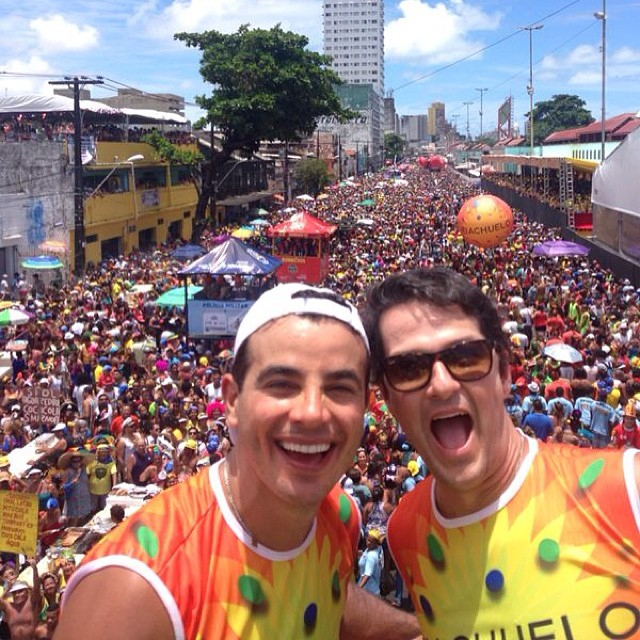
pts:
pixel 302 243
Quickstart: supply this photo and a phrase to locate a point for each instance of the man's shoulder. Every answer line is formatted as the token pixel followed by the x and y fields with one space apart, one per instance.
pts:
pixel 162 524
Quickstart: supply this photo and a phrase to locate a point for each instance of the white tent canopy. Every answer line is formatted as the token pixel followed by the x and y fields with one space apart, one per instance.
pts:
pixel 613 187
pixel 153 115
pixel 46 104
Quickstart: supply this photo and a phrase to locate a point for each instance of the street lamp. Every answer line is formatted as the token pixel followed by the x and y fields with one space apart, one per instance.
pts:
pixel 482 91
pixel 602 15
pixel 131 160
pixel 535 27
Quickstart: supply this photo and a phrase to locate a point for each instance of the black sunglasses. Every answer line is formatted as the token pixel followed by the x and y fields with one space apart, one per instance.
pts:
pixel 466 362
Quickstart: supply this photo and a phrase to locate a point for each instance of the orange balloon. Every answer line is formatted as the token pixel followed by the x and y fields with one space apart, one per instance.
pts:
pixel 485 221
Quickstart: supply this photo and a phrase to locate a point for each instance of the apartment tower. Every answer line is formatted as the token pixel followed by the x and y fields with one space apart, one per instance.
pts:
pixel 354 38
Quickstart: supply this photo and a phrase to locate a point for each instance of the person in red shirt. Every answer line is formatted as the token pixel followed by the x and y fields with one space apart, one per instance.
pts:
pixel 106 377
pixel 626 433
pixel 555 323
pixel 118 422
pixel 539 320
pixel 557 381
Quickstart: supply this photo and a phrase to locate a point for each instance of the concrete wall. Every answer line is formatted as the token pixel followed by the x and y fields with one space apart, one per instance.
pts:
pixel 36 197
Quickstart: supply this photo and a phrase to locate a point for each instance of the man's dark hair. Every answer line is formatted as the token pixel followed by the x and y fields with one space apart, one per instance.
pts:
pixel 117 513
pixel 440 287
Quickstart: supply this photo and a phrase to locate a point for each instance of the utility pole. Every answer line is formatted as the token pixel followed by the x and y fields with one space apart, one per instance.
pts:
pixel 602 15
pixel 467 104
pixel 482 91
pixel 454 124
pixel 78 217
pixel 531 29
pixel 285 177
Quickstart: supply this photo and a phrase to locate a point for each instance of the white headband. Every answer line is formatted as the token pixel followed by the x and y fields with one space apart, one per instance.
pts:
pixel 296 299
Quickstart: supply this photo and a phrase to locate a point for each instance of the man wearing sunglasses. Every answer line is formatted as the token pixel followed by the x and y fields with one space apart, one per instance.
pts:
pixel 509 536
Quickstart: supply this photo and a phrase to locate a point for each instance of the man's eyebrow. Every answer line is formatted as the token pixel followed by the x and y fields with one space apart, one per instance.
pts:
pixel 292 372
pixel 277 370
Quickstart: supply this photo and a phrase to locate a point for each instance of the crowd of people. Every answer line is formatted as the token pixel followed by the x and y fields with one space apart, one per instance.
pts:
pixel 142 405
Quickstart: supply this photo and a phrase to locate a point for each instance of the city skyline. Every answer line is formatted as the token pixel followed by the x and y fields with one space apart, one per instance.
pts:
pixel 434 52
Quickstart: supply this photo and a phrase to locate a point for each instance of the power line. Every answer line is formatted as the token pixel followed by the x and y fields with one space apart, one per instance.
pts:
pixel 482 49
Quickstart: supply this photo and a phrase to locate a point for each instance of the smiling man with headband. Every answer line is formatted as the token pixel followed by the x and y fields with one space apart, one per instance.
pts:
pixel 508 536
pixel 263 544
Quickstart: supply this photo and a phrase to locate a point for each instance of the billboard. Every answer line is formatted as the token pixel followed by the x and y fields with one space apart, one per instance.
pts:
pixel 504 119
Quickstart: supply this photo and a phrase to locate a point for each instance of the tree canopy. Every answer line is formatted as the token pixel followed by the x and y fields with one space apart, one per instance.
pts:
pixel 311 175
pixel 563 111
pixel 266 86
pixel 393 146
pixel 173 154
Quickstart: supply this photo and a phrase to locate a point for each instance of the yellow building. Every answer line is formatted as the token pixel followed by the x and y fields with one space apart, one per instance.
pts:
pixel 133 200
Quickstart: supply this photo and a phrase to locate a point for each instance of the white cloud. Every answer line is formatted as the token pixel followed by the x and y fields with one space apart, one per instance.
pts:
pixel 624 55
pixel 226 16
pixel 19 77
pixel 56 33
pixel 586 77
pixel 440 31
pixel 582 66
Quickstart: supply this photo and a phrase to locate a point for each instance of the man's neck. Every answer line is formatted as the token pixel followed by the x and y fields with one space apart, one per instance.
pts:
pixel 257 514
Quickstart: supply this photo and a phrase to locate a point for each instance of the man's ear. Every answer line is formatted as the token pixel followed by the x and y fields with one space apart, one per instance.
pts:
pixel 230 394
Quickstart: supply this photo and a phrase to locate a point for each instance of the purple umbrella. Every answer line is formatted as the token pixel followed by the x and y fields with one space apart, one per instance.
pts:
pixel 554 248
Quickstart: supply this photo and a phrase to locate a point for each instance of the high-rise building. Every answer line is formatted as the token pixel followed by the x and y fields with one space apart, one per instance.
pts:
pixel 391 120
pixel 437 125
pixel 354 38
pixel 414 130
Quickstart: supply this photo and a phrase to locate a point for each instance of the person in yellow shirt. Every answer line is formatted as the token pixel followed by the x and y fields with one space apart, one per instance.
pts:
pixel 102 474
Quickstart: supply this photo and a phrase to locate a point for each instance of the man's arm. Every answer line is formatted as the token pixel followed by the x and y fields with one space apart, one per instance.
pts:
pixel 369 618
pixel 114 603
pixel 36 593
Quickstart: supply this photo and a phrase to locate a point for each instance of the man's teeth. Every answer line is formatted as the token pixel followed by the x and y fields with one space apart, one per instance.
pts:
pixel 450 415
pixel 305 448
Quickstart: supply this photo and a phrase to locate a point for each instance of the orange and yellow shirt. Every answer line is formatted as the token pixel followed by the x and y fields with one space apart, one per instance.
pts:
pixel 556 557
pixel 214 584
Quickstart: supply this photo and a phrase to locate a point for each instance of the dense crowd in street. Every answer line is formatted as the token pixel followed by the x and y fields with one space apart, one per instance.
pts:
pixel 140 403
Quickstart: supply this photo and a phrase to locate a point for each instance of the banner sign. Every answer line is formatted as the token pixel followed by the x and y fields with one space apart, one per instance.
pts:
pixel 18 522
pixel 41 406
pixel 210 318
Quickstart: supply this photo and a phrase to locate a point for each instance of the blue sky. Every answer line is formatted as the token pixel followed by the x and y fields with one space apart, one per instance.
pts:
pixel 435 51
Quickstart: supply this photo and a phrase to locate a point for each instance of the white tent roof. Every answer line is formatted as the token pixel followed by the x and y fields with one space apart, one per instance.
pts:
pixel 613 185
pixel 152 114
pixel 38 103
pixel 44 104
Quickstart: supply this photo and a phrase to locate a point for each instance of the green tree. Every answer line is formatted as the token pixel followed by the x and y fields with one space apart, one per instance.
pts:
pixel 311 175
pixel 267 86
pixel 173 154
pixel 563 111
pixel 393 146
